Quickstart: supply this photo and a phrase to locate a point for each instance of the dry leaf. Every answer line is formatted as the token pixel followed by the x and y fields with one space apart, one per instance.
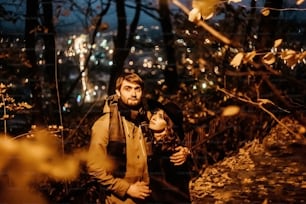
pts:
pixel 66 12
pixel 249 57
pixel 206 8
pixel 265 11
pixel 194 15
pixel 231 111
pixel 288 54
pixel 291 62
pixel 103 26
pixel 302 55
pixel 234 1
pixel 264 101
pixel 208 16
pixel 302 130
pixel 269 58
pixel 25 104
pixel 277 42
pixel 236 61
pixel 27 64
pixel 299 2
pixel 3 55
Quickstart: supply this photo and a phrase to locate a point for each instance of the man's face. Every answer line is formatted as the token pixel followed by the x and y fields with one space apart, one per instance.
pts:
pixel 130 93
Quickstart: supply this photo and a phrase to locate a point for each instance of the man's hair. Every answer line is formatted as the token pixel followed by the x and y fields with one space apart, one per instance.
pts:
pixel 130 77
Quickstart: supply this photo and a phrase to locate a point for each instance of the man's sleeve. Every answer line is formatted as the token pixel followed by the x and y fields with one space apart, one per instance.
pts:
pixel 98 163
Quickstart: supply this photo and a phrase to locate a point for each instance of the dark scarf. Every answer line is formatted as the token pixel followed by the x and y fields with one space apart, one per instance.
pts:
pixel 117 143
pixel 135 114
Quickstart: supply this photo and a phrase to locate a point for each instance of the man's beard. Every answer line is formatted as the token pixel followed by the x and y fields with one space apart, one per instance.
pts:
pixel 133 103
pixel 133 113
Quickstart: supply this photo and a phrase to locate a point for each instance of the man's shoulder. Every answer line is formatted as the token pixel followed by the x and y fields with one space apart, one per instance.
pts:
pixel 110 102
pixel 102 119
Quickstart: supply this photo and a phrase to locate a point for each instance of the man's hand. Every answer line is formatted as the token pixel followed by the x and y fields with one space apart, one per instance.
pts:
pixel 139 190
pixel 179 157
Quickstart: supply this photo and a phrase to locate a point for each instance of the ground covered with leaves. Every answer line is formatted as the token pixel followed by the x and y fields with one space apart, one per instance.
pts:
pixel 272 170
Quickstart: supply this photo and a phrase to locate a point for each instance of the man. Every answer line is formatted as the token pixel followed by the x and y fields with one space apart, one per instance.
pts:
pixel 117 155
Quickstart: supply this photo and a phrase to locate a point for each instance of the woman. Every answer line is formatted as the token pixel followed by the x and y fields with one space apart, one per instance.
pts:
pixel 169 182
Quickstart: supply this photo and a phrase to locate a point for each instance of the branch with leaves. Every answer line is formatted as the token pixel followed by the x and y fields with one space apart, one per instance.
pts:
pixel 290 57
pixel 8 104
pixel 195 16
pixel 232 110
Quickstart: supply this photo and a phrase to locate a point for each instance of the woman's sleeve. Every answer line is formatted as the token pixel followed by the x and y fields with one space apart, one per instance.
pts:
pixel 98 163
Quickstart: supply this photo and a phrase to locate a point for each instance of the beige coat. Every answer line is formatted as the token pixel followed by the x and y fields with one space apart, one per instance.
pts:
pixel 100 166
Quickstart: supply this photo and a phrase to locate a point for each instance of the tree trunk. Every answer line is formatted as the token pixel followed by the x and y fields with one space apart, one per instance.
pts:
pixel 31 25
pixel 122 42
pixel 170 73
pixel 51 64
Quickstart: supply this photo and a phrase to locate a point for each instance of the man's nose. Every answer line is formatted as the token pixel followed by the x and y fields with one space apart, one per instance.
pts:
pixel 133 92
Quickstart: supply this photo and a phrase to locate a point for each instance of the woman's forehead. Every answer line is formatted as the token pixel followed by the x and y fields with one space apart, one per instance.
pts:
pixel 159 112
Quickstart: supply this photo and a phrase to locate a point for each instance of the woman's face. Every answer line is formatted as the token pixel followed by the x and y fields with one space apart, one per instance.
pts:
pixel 157 122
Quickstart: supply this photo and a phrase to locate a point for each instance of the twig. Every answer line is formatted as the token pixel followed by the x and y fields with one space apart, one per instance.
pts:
pixel 204 25
pixel 259 105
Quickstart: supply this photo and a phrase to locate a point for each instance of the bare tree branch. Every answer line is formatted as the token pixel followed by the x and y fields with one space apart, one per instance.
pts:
pixel 259 104
pixel 204 25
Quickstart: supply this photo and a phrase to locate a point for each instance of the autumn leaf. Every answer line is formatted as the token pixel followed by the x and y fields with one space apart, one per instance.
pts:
pixel 194 15
pixel 32 31
pixel 103 26
pixel 25 105
pixel 206 8
pixel 230 111
pixel 264 101
pixel 236 61
pixel 249 57
pixel 208 16
pixel 66 12
pixel 291 62
pixel 4 55
pixel 202 62
pixel 27 64
pixel 265 11
pixel 302 55
pixel 299 2
pixel 302 130
pixel 277 42
pixel 290 57
pixel 287 54
pixel 234 1
pixel 269 58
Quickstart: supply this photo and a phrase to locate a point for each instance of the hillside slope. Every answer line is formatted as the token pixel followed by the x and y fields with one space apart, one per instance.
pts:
pixel 268 171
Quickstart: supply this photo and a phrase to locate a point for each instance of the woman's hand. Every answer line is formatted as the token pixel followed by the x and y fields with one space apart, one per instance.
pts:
pixel 179 157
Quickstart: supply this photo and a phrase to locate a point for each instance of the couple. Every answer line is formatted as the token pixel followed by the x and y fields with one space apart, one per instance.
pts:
pixel 135 150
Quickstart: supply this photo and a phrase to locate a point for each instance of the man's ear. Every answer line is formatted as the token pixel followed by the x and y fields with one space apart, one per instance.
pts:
pixel 118 92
